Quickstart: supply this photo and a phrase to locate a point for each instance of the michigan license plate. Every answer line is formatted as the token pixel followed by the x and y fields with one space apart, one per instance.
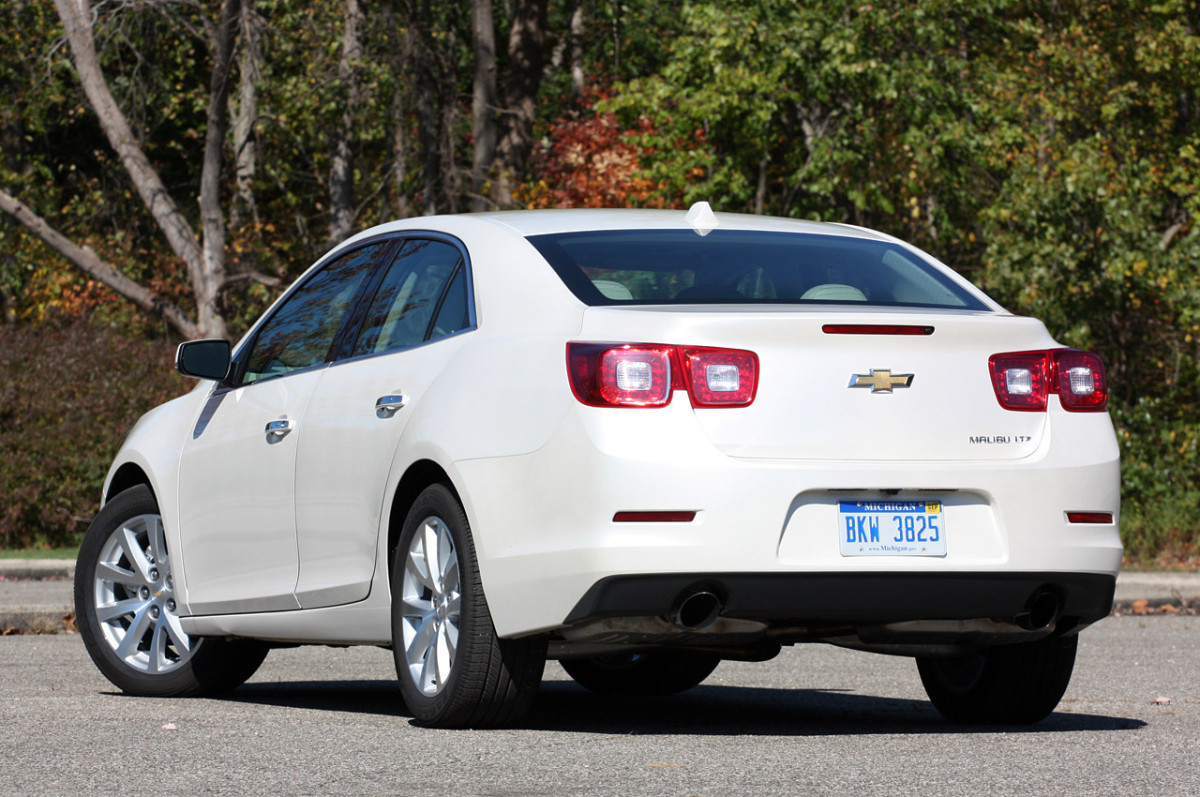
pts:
pixel 891 528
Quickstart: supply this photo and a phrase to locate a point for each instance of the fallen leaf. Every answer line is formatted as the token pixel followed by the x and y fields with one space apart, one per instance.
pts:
pixel 1140 606
pixel 1161 701
pixel 170 726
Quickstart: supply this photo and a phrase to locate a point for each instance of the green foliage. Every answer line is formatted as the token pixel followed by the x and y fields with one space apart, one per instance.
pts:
pixel 68 395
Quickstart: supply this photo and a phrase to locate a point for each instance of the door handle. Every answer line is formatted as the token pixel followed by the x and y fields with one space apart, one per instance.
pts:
pixel 278 429
pixel 386 405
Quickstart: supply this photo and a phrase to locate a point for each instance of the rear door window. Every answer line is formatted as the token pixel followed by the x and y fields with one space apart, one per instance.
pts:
pixel 422 296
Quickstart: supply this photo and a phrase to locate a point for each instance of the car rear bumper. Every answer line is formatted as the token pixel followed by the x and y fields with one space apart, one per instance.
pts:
pixel 552 552
pixel 827 599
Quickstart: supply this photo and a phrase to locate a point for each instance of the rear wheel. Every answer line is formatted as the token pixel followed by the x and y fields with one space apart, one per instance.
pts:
pixel 659 672
pixel 454 671
pixel 127 615
pixel 1005 684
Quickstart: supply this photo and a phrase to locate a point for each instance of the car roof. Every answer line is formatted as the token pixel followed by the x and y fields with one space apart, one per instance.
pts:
pixel 542 222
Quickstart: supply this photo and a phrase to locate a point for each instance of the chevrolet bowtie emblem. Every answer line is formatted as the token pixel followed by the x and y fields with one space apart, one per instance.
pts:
pixel 881 381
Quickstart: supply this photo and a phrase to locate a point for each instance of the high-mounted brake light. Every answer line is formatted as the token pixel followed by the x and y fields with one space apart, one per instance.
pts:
pixel 1024 380
pixel 876 329
pixel 645 374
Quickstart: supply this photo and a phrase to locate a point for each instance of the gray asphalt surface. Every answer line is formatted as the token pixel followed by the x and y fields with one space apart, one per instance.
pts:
pixel 815 721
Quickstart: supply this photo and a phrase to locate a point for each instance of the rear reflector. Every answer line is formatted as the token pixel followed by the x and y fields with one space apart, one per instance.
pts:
pixel 876 329
pixel 646 374
pixel 1024 380
pixel 1089 517
pixel 654 517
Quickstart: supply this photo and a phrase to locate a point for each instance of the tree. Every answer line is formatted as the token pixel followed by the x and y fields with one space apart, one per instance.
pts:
pixel 204 255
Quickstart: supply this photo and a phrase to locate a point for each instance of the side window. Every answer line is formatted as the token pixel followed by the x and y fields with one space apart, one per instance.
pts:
pixel 425 281
pixel 301 331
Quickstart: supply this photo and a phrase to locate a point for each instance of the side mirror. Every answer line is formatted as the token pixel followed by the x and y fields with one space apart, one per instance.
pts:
pixel 203 359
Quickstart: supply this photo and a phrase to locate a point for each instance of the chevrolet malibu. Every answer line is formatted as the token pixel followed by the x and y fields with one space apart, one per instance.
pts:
pixel 637 442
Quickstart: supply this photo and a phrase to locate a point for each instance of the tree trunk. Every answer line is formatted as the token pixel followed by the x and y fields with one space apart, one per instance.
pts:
pixel 90 263
pixel 483 105
pixel 525 43
pixel 426 85
pixel 245 146
pixel 208 288
pixel 205 260
pixel 341 175
pixel 575 42
pixel 400 57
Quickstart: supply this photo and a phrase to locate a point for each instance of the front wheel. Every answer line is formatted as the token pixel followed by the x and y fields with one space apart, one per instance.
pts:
pixel 454 671
pixel 660 672
pixel 127 615
pixel 1002 685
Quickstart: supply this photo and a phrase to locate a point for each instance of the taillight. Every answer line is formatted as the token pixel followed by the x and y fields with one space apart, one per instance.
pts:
pixel 1021 380
pixel 1079 377
pixel 603 375
pixel 645 374
pixel 720 377
pixel 1024 380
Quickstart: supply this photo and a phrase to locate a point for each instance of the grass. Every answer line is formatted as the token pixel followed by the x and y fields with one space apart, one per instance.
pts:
pixel 40 553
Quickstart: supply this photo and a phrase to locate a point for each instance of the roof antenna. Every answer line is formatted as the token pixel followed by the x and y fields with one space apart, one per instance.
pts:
pixel 702 219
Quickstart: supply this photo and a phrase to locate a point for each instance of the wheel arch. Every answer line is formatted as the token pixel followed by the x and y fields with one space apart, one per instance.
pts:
pixel 420 474
pixel 126 476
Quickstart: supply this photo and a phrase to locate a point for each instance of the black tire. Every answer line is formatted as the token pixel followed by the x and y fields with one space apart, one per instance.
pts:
pixel 1003 685
pixel 491 682
pixel 124 574
pixel 661 672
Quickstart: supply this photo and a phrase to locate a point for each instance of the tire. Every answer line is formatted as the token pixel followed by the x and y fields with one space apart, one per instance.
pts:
pixel 1003 685
pixel 645 674
pixel 454 671
pixel 126 613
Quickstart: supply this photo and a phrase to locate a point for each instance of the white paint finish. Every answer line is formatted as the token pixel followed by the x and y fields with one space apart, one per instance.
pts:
pixel 344 461
pixel 541 476
pixel 236 498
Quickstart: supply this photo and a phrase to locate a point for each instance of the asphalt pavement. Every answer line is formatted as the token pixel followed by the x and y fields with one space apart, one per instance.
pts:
pixel 35 594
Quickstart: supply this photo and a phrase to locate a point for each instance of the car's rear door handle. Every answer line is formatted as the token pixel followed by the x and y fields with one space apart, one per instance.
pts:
pixel 386 405
pixel 279 428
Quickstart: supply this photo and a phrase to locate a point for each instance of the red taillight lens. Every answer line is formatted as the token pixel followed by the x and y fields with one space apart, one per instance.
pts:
pixel 1023 380
pixel 644 374
pixel 1079 380
pixel 720 377
pixel 604 375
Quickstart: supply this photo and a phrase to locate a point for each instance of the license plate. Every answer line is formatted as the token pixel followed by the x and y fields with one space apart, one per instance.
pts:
pixel 891 528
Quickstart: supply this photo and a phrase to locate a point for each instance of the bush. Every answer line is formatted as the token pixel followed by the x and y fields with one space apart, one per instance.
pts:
pixel 69 394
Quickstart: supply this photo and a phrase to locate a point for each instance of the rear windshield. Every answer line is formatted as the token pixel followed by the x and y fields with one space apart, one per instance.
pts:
pixel 622 267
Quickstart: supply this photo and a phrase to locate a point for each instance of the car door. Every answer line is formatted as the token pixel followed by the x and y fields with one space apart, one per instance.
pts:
pixel 237 470
pixel 359 410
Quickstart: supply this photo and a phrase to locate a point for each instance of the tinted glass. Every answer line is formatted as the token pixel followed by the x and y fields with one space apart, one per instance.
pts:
pixel 739 267
pixel 408 297
pixel 301 331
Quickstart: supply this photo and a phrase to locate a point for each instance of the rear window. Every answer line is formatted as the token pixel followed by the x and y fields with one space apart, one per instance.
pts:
pixel 629 267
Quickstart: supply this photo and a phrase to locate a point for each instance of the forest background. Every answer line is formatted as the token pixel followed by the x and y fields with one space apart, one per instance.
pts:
pixel 168 166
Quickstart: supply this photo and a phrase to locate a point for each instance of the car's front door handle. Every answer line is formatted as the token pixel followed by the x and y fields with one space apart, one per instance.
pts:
pixel 277 429
pixel 386 405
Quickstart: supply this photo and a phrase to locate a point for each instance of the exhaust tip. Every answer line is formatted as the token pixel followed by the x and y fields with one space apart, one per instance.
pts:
pixel 696 610
pixel 1041 611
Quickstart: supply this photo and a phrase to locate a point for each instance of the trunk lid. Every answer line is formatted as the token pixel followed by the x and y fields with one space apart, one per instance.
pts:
pixel 805 407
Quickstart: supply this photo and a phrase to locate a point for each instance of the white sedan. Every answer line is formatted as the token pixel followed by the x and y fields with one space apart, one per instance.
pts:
pixel 638 442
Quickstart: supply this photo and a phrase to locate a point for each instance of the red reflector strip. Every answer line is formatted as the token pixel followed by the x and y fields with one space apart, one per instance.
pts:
pixel 654 517
pixel 876 329
pixel 1089 517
